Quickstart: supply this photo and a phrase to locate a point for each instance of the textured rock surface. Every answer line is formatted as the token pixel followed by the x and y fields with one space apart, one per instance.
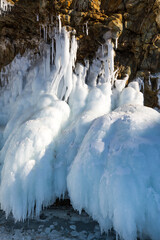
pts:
pixel 135 22
pixel 18 31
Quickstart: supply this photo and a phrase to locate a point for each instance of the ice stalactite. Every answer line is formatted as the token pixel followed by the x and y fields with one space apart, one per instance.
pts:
pixel 59 24
pixel 40 31
pixel 52 59
pixel 116 43
pixel 87 28
pixel 43 27
pixel 102 67
pixel 64 63
pixel 5 6
pixel 110 61
pixel 158 87
pixel 156 78
pixel 46 34
pixel 51 19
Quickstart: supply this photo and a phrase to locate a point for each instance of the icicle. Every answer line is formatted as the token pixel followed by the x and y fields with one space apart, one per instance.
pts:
pixel 141 83
pixel 48 62
pixel 44 33
pixel 2 77
pixel 158 83
pixel 121 83
pixel 44 64
pixel 51 19
pixel 49 32
pixel 65 56
pixel 111 59
pixel 116 43
pixel 87 28
pixel 52 51
pixel 74 49
pixel 59 23
pixel 149 80
pixel 69 74
pixel 107 71
pixel 40 31
pixel 83 29
pixel 102 51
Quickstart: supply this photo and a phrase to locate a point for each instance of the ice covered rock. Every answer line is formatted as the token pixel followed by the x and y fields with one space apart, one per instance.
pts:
pixel 131 95
pixel 26 183
pixel 115 175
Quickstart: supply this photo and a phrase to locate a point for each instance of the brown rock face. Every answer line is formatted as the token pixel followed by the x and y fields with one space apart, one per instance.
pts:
pixel 139 43
pixel 18 31
pixel 135 22
pixel 112 6
pixel 87 5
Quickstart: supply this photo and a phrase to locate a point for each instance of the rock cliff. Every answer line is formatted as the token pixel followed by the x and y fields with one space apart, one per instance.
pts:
pixel 135 23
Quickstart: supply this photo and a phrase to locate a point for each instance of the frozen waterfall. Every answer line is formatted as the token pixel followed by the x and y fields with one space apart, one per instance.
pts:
pixel 68 127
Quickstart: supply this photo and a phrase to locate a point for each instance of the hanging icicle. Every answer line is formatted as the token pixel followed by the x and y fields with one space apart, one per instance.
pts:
pixel 40 31
pixel 59 23
pixel 111 59
pixel 52 57
pixel 44 33
pixel 86 28
pixel 116 43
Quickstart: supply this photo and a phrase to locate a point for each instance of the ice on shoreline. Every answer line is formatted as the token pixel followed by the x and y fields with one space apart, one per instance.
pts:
pixel 67 128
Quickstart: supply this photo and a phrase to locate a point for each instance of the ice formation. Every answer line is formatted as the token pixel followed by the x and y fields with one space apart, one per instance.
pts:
pixel 115 175
pixel 59 133
pixel 38 116
pixel 157 80
pixel 5 6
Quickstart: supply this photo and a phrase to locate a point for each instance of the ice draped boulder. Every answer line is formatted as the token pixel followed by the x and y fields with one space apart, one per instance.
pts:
pixel 115 176
pixel 26 183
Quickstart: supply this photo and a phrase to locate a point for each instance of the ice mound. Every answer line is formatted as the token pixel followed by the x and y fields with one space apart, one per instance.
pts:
pixel 97 103
pixel 115 175
pixel 131 95
pixel 26 183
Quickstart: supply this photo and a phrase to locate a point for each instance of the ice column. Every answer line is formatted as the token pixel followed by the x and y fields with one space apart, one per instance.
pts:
pixel 44 33
pixel 65 55
pixel 87 28
pixel 116 43
pixel 60 24
pixel 52 51
pixel 111 59
pixel 107 57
